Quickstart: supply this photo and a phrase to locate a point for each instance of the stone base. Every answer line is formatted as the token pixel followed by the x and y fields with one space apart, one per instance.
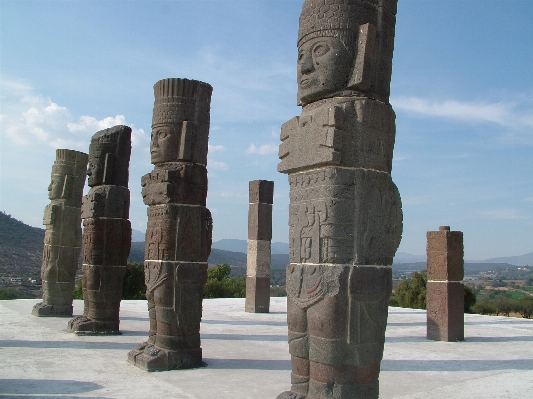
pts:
pixel 82 325
pixel 445 311
pixel 257 294
pixel 289 395
pixel 151 358
pixel 44 310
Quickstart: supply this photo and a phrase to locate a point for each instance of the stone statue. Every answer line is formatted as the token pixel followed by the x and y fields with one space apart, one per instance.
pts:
pixel 106 232
pixel 62 239
pixel 178 235
pixel 345 214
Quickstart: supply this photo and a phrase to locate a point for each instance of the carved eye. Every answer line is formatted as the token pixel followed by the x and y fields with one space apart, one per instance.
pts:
pixel 162 134
pixel 300 56
pixel 320 49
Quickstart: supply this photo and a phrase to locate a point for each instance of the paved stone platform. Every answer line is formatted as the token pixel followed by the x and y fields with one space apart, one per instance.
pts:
pixel 247 357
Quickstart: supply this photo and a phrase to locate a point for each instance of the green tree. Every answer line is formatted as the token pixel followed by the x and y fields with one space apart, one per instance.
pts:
pixel 220 285
pixel 484 306
pixel 7 293
pixel 78 291
pixel 134 286
pixel 469 300
pixel 504 305
pixel 525 307
pixel 411 292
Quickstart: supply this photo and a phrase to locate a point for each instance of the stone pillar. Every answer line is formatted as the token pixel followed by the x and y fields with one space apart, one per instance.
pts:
pixel 345 214
pixel 445 291
pixel 259 238
pixel 178 236
pixel 106 232
pixel 62 239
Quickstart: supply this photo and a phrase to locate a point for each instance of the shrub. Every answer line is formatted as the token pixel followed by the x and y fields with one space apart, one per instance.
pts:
pixel 134 286
pixel 7 293
pixel 220 285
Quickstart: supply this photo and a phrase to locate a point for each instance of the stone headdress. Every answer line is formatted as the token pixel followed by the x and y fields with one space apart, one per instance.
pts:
pixel 365 27
pixel 112 148
pixel 72 165
pixel 184 104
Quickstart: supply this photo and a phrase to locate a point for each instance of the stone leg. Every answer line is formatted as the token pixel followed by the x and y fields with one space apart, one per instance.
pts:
pixel 176 291
pixel 102 295
pixel 57 300
pixel 336 343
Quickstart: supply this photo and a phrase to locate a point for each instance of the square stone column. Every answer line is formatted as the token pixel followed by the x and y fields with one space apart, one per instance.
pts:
pixel 258 254
pixel 445 291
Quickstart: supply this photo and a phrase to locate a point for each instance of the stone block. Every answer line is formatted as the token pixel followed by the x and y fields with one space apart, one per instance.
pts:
pixel 344 216
pixel 178 233
pixel 258 258
pixel 257 294
pixel 445 255
pixel 106 202
pixel 445 311
pixel 60 263
pixel 175 183
pixel 106 241
pixel 261 191
pixel 63 226
pixel 103 283
pixel 339 132
pixel 260 222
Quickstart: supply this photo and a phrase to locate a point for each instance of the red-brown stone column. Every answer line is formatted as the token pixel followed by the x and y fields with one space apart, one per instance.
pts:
pixel 259 238
pixel 445 291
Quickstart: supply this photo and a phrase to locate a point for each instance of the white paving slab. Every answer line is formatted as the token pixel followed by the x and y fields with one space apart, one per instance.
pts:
pixel 247 357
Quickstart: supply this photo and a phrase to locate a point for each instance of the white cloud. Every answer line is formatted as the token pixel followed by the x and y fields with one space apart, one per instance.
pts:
pixel 217 165
pixel 501 214
pixel 216 148
pixel 264 149
pixel 32 119
pixel 509 114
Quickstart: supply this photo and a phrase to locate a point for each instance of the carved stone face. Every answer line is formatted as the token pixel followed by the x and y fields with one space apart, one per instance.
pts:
pixel 164 144
pixel 95 171
pixel 324 67
pixel 55 189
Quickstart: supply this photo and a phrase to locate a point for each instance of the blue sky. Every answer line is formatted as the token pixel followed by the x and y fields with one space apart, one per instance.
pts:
pixel 462 90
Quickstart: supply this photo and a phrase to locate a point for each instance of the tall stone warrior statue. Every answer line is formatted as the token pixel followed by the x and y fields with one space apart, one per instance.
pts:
pixel 345 214
pixel 62 239
pixel 106 232
pixel 178 236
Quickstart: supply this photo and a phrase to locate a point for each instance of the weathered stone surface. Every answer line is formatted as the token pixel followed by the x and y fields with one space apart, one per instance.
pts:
pixel 445 255
pixel 257 294
pixel 178 232
pixel 106 241
pixel 109 157
pixel 106 232
pixel 175 182
pixel 260 222
pixel 445 290
pixel 258 258
pixel 344 216
pixel 445 311
pixel 180 123
pixel 178 235
pixel 261 191
pixel 259 248
pixel 106 202
pixel 62 240
pixel 348 132
pixel 368 54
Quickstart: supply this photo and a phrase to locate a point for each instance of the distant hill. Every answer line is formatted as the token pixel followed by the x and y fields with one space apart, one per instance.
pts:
pixel 21 248
pixel 521 260
pixel 234 245
pixel 217 256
